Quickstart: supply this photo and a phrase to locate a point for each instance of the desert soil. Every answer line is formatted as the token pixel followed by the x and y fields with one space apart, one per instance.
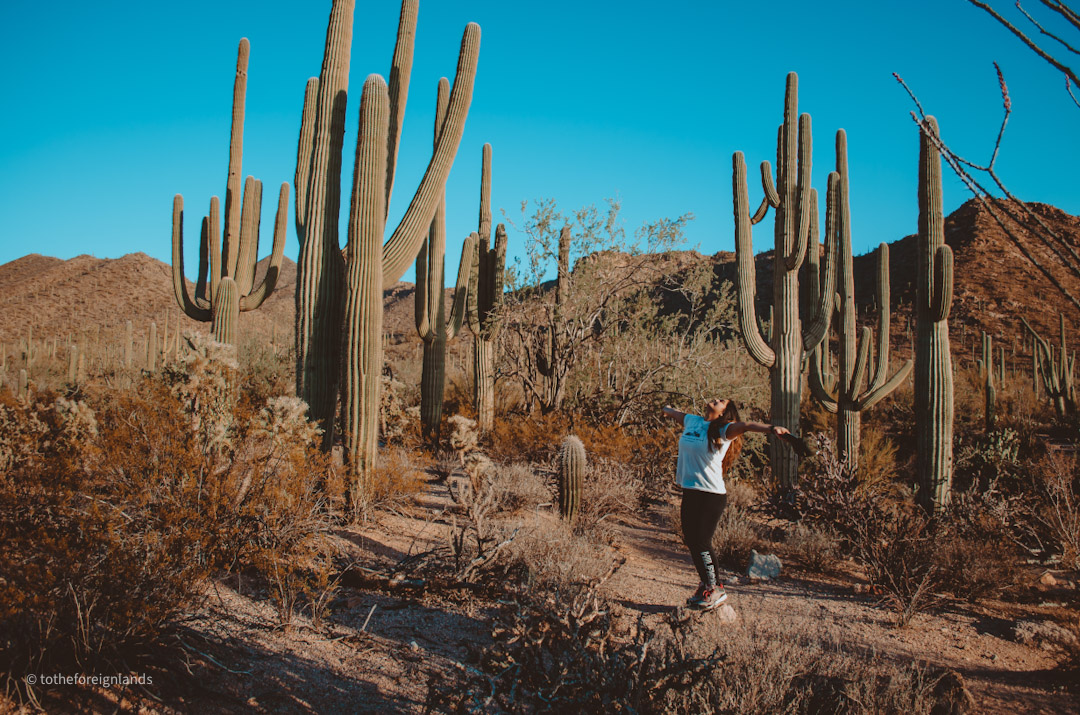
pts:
pixel 386 641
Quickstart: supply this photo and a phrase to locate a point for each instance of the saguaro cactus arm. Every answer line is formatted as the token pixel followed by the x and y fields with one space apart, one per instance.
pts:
pixel 400 249
pixel 822 384
pixel 255 298
pixel 756 344
pixel 879 386
pixel 183 298
pixel 821 317
pixel 398 89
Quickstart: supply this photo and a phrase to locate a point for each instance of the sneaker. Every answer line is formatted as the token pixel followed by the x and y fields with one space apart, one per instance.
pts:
pixel 697 594
pixel 710 598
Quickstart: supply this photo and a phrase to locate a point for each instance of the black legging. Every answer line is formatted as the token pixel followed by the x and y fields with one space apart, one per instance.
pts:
pixel 700 514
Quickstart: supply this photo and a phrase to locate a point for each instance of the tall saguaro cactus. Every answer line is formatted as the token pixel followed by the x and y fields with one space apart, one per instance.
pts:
pixel 987 368
pixel 550 360
pixel 933 358
pixel 329 285
pixel 844 395
pixel 225 286
pixel 432 323
pixel 1056 371
pixel 485 294
pixel 790 341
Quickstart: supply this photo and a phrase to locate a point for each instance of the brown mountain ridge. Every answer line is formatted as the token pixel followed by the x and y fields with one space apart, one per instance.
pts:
pixel 993 286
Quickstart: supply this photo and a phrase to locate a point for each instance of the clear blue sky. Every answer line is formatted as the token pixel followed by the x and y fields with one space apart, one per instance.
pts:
pixel 110 108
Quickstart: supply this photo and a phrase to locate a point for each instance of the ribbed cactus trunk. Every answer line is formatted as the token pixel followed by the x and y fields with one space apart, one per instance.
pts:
pixel 989 392
pixel 320 280
pixel 374 265
pixel 572 467
pixel 1056 371
pixel 432 324
pixel 783 352
pixel 151 348
pixel 485 294
pixel 226 311
pixel 363 308
pixel 933 359
pixel 24 386
pixel 73 364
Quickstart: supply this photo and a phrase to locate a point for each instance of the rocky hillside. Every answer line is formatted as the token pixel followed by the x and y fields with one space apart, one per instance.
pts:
pixel 994 286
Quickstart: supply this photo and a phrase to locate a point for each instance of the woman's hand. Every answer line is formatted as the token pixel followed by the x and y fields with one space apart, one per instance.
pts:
pixel 779 431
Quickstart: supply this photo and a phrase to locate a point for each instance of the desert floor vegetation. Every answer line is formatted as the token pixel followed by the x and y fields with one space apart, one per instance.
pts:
pixel 183 523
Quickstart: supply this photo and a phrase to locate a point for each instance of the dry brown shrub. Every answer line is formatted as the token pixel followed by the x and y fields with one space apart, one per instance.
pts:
pixel 1057 512
pixel 399 473
pixel 818 550
pixel 564 652
pixel 547 554
pixel 114 513
pixel 610 489
pixel 533 438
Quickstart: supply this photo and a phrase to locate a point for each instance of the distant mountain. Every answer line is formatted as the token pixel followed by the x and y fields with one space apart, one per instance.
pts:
pixel 994 286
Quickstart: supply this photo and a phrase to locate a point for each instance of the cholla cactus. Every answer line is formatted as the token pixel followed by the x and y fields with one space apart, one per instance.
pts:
pixel 463 438
pixel 76 418
pixel 204 380
pixel 285 418
pixel 225 286
pixel 572 466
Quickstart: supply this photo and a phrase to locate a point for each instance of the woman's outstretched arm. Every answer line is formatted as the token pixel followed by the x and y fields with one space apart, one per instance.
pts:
pixel 737 428
pixel 673 413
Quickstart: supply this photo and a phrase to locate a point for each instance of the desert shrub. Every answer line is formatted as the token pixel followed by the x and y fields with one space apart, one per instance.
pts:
pixel 522 487
pixel 1054 515
pixel 610 488
pixel 533 438
pixel 818 550
pixel 264 371
pixel 399 418
pixel 989 461
pixel 977 554
pixel 114 512
pixel 877 458
pixel 564 652
pixel 548 555
pixel 462 437
pixel 399 473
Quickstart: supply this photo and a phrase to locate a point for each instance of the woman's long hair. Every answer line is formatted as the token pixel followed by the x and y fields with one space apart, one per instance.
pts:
pixel 730 414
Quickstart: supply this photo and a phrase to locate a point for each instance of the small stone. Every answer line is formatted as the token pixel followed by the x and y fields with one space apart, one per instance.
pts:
pixel 726 614
pixel 414 645
pixel 763 567
pixel 1048 579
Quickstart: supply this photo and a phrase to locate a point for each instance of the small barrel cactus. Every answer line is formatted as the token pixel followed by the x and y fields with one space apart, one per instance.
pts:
pixel 571 473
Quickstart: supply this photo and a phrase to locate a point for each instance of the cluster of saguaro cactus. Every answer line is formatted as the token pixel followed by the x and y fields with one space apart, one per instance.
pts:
pixel 330 286
pixel 986 366
pixel 844 394
pixel 790 341
pixel 1055 371
pixel 572 466
pixel 485 293
pixel 226 279
pixel 433 325
pixel 933 359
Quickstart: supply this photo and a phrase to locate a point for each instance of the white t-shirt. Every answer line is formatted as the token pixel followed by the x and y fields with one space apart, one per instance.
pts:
pixel 699 467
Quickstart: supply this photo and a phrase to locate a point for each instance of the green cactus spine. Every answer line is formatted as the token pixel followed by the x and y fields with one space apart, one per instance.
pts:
pixel 790 341
pixel 485 294
pixel 372 265
pixel 845 395
pixel 432 324
pixel 933 359
pixel 234 259
pixel 1056 371
pixel 572 467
